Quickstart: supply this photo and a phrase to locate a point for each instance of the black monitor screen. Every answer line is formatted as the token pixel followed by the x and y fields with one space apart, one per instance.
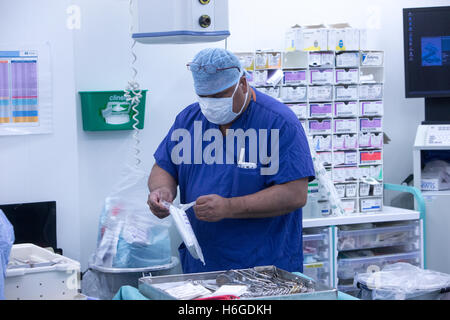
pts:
pixel 427 51
pixel 33 222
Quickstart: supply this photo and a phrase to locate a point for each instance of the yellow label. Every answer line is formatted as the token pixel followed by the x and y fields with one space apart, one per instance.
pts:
pixel 314 265
pixel 25 119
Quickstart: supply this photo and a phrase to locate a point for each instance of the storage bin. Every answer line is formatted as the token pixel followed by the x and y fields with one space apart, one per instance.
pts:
pixel 348 267
pixel 382 236
pixel 35 273
pixel 319 271
pixel 103 283
pixel 109 110
pixel 316 246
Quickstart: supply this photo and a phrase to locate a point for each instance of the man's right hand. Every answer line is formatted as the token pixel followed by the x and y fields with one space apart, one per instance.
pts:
pixel 155 201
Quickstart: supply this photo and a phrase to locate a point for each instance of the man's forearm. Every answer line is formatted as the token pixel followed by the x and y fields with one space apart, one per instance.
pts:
pixel 161 179
pixel 274 201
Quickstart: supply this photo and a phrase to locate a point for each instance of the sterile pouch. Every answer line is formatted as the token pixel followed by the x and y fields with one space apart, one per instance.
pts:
pixel 6 242
pixel 185 229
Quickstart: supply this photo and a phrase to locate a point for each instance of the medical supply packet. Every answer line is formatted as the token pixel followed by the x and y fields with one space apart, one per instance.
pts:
pixel 185 229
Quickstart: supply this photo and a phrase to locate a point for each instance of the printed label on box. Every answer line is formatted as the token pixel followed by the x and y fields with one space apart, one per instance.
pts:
pixel 345 109
pixel 370 205
pixel 371 92
pixel 350 142
pixel 274 60
pixel 322 143
pixel 294 93
pixel 372 58
pixel 295 77
pixel 346 93
pixel 321 93
pixel 370 157
pixel 338 142
pixel 316 126
pixel 300 110
pixel 364 140
pixel 347 59
pixel 372 108
pixel 320 109
pixel 339 158
pixel 340 189
pixel 351 157
pixel 260 77
pixel 376 140
pixel 349 205
pixel 260 61
pixel 350 190
pixel 378 189
pixel 370 125
pixel 343 76
pixel 364 189
pixel 345 125
pixel 321 76
pixel 325 157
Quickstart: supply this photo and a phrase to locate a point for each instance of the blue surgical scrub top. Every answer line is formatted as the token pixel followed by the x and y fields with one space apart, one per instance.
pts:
pixel 241 243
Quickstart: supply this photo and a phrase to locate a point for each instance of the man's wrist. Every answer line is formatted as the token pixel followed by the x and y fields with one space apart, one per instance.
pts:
pixel 235 207
pixel 166 191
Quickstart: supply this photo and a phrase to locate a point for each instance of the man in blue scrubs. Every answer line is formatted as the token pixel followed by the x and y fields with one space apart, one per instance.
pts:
pixel 248 212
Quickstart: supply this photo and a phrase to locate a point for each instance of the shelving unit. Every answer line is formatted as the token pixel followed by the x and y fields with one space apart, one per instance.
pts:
pixel 338 98
pixel 394 234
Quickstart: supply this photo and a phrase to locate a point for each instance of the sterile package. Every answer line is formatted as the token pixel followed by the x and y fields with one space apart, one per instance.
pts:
pixel 400 281
pixel 436 176
pixel 185 229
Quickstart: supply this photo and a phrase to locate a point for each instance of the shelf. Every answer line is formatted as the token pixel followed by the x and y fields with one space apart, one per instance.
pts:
pixel 442 193
pixel 386 214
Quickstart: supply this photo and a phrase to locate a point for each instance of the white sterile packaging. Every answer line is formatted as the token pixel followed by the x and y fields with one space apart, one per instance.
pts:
pixel 185 229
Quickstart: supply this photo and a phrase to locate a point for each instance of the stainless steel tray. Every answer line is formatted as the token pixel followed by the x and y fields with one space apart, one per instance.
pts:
pixel 153 287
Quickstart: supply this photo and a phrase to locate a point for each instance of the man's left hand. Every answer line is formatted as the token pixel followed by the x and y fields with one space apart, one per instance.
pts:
pixel 212 208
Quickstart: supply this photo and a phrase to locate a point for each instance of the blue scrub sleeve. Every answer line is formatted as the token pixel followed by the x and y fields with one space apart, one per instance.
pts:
pixel 162 155
pixel 294 156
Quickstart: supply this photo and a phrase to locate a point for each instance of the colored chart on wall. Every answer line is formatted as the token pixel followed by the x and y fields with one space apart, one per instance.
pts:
pixel 22 108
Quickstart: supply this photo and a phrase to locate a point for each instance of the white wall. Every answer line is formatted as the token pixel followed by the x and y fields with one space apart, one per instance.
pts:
pixel 45 167
pixel 78 168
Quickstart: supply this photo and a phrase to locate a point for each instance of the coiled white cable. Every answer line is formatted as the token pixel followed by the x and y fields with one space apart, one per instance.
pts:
pixel 133 93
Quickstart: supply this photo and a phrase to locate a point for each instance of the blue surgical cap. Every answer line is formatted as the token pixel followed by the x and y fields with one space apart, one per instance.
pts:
pixel 211 83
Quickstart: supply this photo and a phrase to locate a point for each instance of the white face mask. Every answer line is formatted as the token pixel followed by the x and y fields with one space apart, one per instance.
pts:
pixel 220 110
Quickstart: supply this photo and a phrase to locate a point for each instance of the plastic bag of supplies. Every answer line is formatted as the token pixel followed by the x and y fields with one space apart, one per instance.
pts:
pixel 130 236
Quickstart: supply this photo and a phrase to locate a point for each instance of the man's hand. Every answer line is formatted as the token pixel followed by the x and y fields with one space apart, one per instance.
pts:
pixel 155 199
pixel 212 208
